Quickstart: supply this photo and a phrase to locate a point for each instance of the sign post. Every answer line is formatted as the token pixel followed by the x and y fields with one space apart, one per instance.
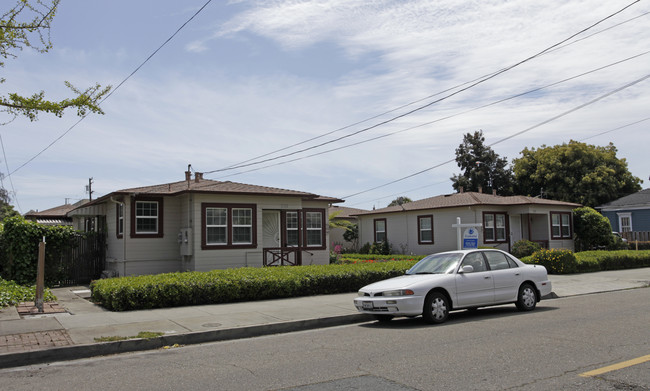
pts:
pixel 473 237
pixel 40 276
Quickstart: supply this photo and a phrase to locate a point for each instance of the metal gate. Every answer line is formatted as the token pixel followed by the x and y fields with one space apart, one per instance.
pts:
pixel 82 260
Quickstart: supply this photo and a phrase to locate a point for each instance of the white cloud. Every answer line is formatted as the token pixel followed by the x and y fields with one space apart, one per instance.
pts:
pixel 273 73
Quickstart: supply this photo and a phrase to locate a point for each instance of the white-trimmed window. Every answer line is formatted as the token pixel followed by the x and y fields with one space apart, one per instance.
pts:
pixel 146 217
pixel 242 226
pixel 380 230
pixel 495 228
pixel 216 226
pixel 561 225
pixel 293 233
pixel 226 226
pixel 425 229
pixel 314 229
pixel 625 222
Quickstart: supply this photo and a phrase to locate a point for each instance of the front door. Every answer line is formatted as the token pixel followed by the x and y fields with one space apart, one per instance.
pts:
pixel 271 229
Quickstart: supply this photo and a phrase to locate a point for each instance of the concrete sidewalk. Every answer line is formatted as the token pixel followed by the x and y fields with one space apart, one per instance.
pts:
pixel 69 330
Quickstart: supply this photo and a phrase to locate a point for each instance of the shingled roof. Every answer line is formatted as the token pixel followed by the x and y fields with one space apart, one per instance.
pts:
pixel 467 199
pixel 200 185
pixel 640 199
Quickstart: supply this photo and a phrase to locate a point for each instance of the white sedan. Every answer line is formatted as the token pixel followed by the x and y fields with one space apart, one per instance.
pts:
pixel 455 280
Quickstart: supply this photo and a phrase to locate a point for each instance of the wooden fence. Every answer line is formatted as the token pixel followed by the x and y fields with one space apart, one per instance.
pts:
pixel 81 261
pixel 637 239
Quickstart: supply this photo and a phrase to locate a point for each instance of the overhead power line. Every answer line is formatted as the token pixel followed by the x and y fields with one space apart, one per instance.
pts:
pixel 601 97
pixel 438 119
pixel 114 89
pixel 481 80
pixel 405 192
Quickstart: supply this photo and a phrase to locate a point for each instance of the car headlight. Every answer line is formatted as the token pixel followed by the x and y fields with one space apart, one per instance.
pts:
pixel 401 292
pixel 361 293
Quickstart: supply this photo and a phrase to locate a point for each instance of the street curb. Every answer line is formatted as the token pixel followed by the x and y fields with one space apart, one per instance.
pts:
pixel 75 352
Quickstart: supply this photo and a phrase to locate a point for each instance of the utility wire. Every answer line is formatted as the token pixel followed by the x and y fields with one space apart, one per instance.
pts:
pixel 439 119
pixel 113 90
pixel 511 136
pixel 473 84
pixel 404 192
pixel 611 130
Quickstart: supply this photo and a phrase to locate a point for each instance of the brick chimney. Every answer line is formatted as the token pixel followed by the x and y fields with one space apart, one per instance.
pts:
pixel 188 175
pixel 198 176
pixel 480 189
pixel 461 189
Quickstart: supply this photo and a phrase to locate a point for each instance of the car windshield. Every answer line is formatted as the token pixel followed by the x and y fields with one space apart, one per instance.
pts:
pixel 436 264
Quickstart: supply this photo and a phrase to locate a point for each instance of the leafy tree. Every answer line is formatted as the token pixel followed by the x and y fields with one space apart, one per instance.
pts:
pixel 26 24
pixel 351 234
pixel 6 210
pixel 400 200
pixel 482 167
pixel 574 172
pixel 591 229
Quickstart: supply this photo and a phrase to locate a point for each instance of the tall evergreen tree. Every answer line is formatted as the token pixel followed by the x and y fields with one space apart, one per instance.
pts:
pixel 482 167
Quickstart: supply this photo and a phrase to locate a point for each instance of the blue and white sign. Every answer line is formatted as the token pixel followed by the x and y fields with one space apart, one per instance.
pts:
pixel 470 238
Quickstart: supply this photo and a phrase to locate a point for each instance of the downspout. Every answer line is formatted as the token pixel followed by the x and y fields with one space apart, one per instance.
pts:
pixel 124 230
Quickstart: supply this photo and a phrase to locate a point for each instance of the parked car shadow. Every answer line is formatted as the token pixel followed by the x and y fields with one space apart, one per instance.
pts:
pixel 457 317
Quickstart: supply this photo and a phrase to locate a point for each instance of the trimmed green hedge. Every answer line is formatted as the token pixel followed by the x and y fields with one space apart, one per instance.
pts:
pixel 243 284
pixel 557 262
pixel 370 258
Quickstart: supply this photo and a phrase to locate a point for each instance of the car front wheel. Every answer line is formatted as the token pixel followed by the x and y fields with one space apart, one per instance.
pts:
pixel 527 298
pixel 436 308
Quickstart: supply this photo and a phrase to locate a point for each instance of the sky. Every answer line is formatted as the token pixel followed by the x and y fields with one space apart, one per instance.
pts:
pixel 366 100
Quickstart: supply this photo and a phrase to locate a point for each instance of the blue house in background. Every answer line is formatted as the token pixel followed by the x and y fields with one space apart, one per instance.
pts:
pixel 630 213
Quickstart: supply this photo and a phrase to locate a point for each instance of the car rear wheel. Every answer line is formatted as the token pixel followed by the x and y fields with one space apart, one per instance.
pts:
pixel 527 298
pixel 436 308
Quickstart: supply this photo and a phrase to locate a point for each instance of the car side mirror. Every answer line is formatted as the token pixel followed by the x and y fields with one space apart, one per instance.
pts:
pixel 466 269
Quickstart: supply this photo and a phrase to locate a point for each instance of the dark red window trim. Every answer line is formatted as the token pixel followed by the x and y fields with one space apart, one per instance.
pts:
pixel 374 229
pixel 420 236
pixel 550 217
pixel 285 231
pixel 495 240
pixel 304 229
pixel 229 244
pixel 161 231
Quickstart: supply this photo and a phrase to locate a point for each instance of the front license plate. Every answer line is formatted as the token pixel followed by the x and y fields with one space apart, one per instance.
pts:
pixel 367 305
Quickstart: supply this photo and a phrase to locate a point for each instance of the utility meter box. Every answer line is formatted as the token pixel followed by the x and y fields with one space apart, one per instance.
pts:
pixel 185 241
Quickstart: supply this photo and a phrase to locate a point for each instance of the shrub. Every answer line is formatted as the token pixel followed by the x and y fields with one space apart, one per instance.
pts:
pixel 590 261
pixel 11 293
pixel 19 253
pixel 243 284
pixel 591 229
pixel 556 261
pixel 524 248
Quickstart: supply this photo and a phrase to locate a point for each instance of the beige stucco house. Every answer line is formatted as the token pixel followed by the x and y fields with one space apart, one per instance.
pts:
pixel 427 226
pixel 198 225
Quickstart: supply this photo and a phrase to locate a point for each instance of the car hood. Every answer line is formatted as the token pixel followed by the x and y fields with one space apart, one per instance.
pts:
pixel 403 282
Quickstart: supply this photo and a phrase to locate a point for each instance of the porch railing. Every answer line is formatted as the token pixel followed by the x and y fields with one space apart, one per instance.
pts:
pixel 281 256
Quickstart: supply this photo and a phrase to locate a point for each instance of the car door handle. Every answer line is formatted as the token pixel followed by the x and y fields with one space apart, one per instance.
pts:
pixel 516 274
pixel 487 277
